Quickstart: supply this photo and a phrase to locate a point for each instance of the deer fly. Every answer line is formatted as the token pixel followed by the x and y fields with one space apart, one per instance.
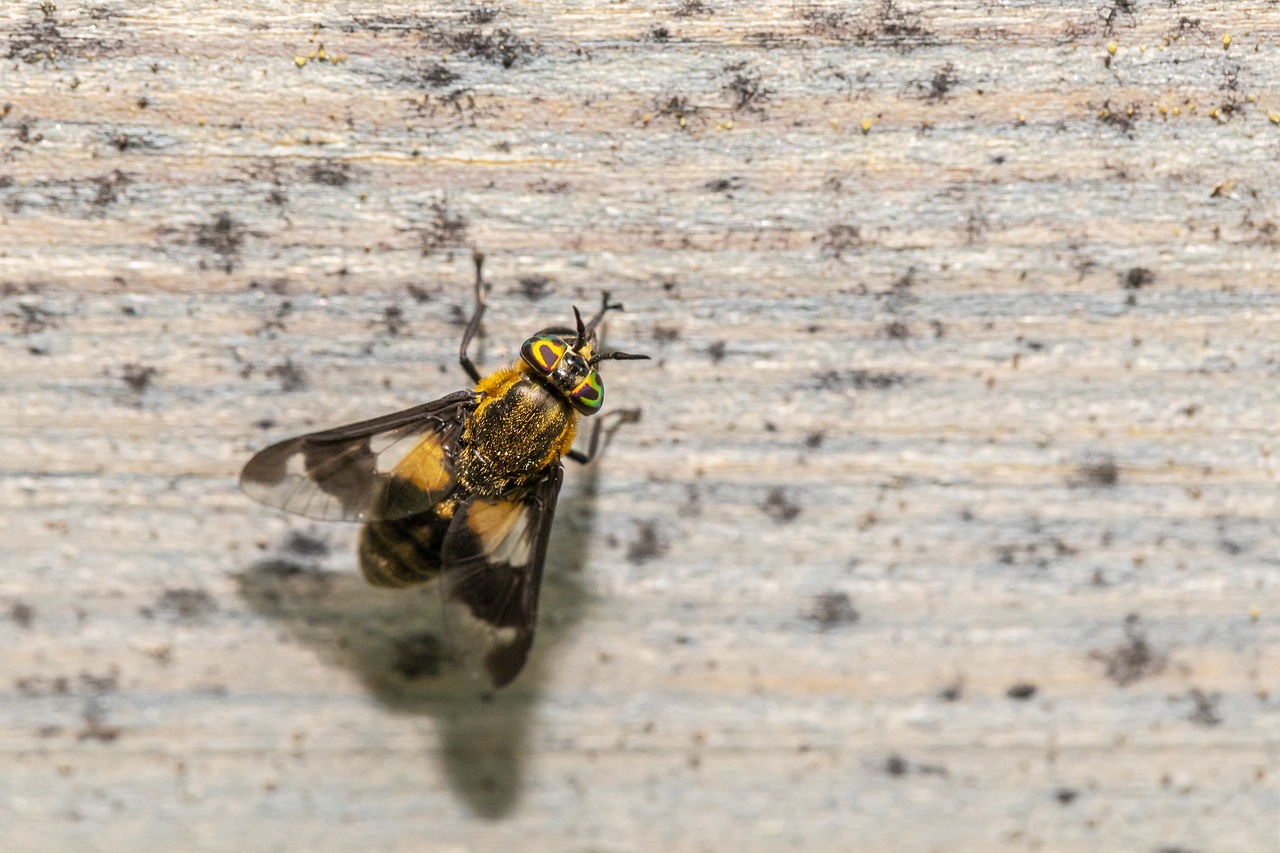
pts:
pixel 462 489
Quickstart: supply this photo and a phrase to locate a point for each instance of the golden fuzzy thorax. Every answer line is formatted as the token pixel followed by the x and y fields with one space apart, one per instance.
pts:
pixel 520 426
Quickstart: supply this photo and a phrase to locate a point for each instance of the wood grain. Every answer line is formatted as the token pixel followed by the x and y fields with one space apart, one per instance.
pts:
pixel 949 524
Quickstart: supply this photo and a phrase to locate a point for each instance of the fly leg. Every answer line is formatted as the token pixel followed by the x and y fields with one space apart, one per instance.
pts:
pixel 473 325
pixel 622 416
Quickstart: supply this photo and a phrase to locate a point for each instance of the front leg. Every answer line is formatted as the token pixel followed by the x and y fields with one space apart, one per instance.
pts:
pixel 624 416
pixel 473 325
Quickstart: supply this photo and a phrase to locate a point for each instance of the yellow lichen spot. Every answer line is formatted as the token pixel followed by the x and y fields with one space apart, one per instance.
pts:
pixel 1022 118
pixel 1254 613
pixel 200 122
pixel 299 61
pixel 1142 48
pixel 1213 113
pixel 866 125
pixel 1112 47
pixel 311 55
pixel 683 121
pixel 320 53
pixel 1177 230
pixel 728 125
pixel 646 118
pixel 835 124
pixel 1163 110
pixel 1275 118
pixel 1226 40
pixel 1177 111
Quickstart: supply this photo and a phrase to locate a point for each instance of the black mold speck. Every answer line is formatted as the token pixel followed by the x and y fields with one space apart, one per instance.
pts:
pixel 291 376
pixel 1022 691
pixel 22 614
pixel 779 508
pixel 138 377
pixel 186 605
pixel 534 287
pixel 831 610
pixel 1134 659
pixel 1137 278
pixel 648 545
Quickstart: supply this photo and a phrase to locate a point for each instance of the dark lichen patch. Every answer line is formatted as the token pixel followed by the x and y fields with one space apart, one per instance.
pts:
pixel 393 321
pixel 186 605
pixel 22 614
pixel 1066 796
pixel 779 507
pixel 839 239
pixel 428 75
pixel 896 765
pixel 292 377
pixel 1124 119
pixel 534 287
pixel 716 351
pixel 886 23
pixel 745 87
pixel 1134 659
pixel 676 107
pixel 420 655
pixel 446 230
pixel 108 188
pixel 31 319
pixel 329 173
pixel 43 40
pixel 223 235
pixel 1103 472
pixel 693 9
pixel 96 726
pixel 33 686
pixel 896 330
pixel 1205 710
pixel 470 34
pixel 648 545
pixel 664 334
pixel 1022 691
pixel 860 380
pixel 724 185
pixel 831 610
pixel 138 377
pixel 814 440
pixel 941 83
pixel 1040 552
pixel 1136 278
pixel 952 692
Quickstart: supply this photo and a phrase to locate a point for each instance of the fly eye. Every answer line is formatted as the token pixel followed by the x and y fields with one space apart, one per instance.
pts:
pixel 543 352
pixel 588 395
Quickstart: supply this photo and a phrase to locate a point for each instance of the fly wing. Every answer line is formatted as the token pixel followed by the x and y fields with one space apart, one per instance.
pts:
pixel 386 468
pixel 492 559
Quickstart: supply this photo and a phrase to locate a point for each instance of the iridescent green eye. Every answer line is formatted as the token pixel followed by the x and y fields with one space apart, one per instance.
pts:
pixel 588 395
pixel 543 352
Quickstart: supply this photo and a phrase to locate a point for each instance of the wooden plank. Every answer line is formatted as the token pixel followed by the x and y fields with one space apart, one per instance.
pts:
pixel 948 522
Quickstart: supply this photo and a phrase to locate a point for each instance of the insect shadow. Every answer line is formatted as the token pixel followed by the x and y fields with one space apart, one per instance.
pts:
pixel 395 642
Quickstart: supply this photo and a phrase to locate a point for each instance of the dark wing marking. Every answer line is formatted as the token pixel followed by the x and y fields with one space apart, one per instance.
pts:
pixel 386 468
pixel 492 561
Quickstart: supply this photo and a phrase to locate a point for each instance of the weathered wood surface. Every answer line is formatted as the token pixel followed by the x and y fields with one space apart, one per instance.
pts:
pixel 950 524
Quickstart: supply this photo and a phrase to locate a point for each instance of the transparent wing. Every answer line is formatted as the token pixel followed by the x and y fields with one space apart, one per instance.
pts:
pixel 386 468
pixel 492 559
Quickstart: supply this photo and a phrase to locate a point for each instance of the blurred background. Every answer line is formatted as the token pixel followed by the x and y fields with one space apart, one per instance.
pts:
pixel 949 523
